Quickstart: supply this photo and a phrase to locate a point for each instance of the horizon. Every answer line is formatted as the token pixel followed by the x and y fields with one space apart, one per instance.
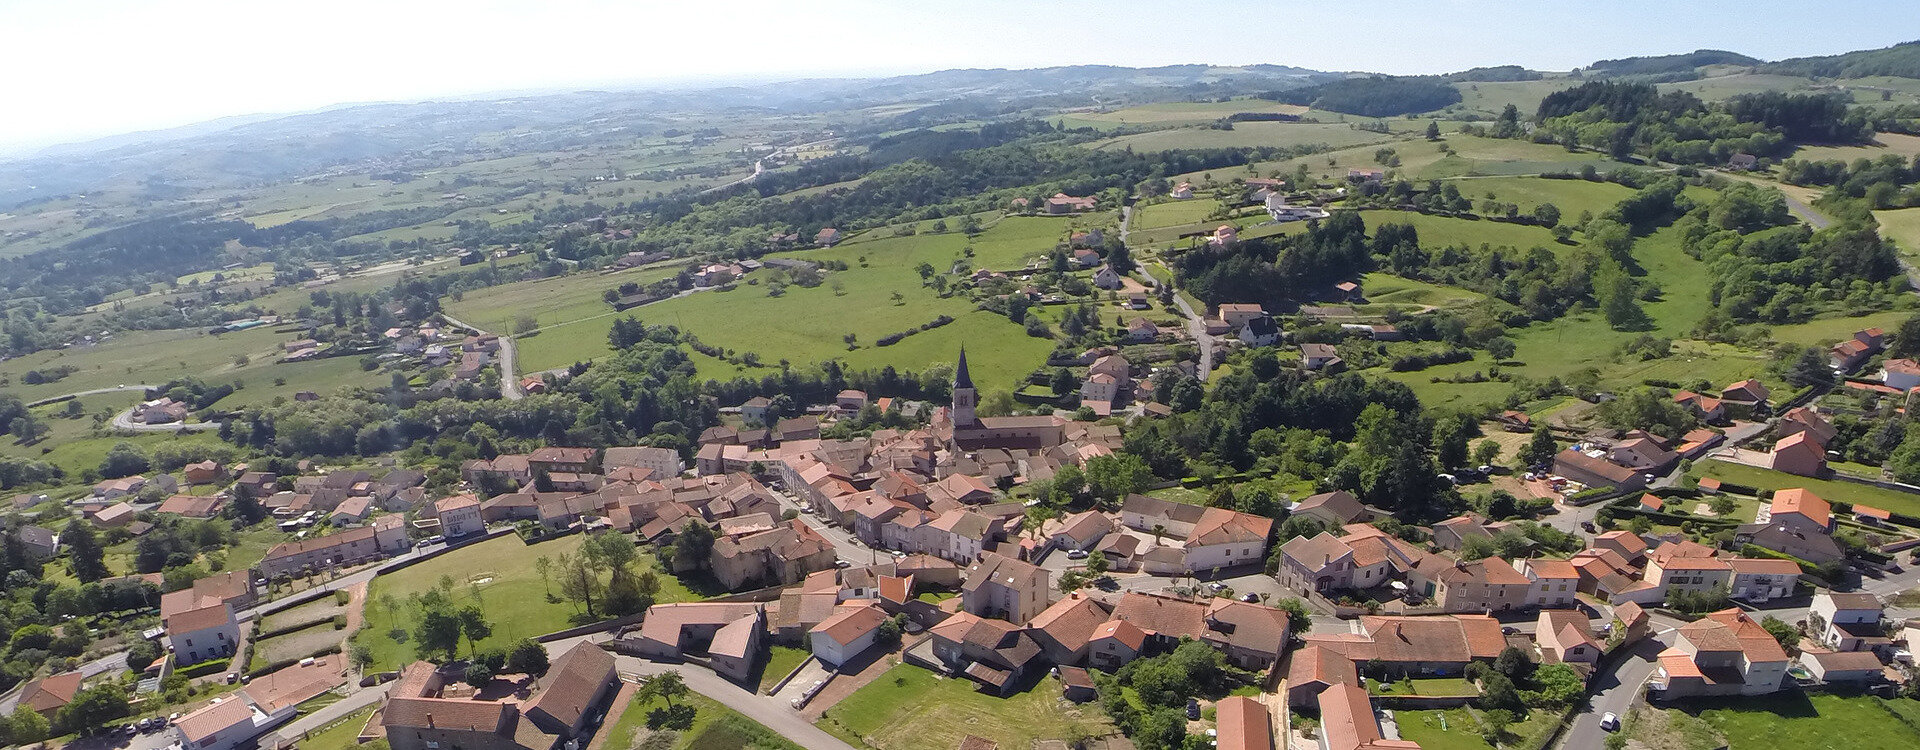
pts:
pixel 177 68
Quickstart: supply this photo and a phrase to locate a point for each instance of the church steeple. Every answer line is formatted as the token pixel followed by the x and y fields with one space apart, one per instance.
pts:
pixel 960 377
pixel 964 399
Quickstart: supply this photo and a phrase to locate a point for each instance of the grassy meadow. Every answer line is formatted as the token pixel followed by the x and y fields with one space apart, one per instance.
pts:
pixel 909 708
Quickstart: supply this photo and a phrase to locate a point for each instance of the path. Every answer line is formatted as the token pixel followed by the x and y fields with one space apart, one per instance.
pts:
pixel 318 720
pixel 759 166
pixel 142 387
pixel 1197 326
pixel 124 421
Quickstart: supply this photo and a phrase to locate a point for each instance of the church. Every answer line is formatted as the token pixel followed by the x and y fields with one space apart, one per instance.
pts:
pixel 960 427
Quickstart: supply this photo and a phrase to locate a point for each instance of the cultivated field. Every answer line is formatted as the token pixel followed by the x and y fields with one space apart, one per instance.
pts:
pixel 1168 114
pixel 1243 135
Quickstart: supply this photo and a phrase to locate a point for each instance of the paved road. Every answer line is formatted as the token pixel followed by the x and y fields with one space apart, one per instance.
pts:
pixel 1615 692
pixel 143 387
pixel 1197 327
pixel 124 421
pixel 759 166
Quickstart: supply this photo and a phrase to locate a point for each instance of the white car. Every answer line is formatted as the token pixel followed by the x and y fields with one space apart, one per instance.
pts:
pixel 1610 722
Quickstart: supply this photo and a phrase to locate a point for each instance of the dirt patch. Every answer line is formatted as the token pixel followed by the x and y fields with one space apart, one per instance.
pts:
pixel 314 611
pixel 299 644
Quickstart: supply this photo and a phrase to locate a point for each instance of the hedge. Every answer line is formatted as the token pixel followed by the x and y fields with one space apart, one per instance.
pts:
pixel 202 669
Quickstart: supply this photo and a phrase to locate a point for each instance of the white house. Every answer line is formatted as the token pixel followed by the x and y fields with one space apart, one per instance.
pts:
pixel 1278 210
pixel 1262 331
pixel 203 633
pixel 663 462
pixel 459 516
pixel 1223 539
pixel 225 723
pixel 1852 621
pixel 1107 278
pixel 847 634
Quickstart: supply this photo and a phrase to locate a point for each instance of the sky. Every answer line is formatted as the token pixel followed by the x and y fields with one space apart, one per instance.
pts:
pixel 81 69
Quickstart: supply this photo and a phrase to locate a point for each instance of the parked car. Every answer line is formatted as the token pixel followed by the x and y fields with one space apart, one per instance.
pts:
pixel 1610 722
pixel 1587 526
pixel 1078 554
pixel 1193 709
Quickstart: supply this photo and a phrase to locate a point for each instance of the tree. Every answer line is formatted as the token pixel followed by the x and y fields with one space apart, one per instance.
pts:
pixel 1121 259
pixel 1786 634
pixel 1433 130
pixel 1097 563
pixel 579 580
pixel 1497 691
pixel 1064 382
pixel 437 632
pixel 1486 452
pixel 244 507
pixel 666 686
pixel 474 625
pixel 1540 449
pixel 544 566
pixel 527 657
pixel 1114 476
pixel 1547 214
pixel 1809 368
pixel 84 554
pixel 1554 685
pixel 1299 620
pixel 93 707
pixel 142 654
pixel 361 656
pixel 1513 663
pixel 478 675
pixel 28 726
pixel 692 545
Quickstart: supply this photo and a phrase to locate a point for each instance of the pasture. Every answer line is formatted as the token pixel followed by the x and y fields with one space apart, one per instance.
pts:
pixel 1885 144
pixel 561 299
pixel 1902 226
pixel 791 326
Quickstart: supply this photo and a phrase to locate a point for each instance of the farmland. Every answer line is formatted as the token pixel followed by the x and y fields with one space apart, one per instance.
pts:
pixel 1244 135
pixel 790 326
pixel 1168 114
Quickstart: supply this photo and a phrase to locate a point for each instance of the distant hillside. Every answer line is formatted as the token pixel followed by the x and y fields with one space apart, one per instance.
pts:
pixel 1497 73
pixel 1899 60
pixel 1666 64
pixel 1373 97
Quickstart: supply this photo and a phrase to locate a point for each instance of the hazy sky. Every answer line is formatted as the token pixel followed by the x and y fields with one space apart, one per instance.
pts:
pixel 77 69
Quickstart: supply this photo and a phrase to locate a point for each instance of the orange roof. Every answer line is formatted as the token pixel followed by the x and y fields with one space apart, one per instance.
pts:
pixel 1871 512
pixel 1542 567
pixel 1763 566
pixel 1801 501
pixel 1650 502
pixel 1243 724
pixel 1122 631
pixel 851 623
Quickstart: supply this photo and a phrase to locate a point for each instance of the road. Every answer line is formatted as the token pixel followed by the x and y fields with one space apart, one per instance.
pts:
pixel 1197 327
pixel 1615 691
pixel 759 166
pixel 142 387
pixel 768 710
pixel 124 421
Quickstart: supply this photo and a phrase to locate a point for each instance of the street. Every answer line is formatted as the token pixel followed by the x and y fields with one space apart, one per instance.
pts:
pixel 1615 691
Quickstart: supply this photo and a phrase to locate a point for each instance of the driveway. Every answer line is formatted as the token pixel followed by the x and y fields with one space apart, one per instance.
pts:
pixel 313 722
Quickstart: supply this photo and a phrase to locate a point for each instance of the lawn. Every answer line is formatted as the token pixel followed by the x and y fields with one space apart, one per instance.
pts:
pixel 781 661
pixel 1387 289
pixel 715 727
pixel 557 300
pixel 1903 227
pixel 299 644
pixel 1452 729
pixel 1173 213
pixel 499 576
pixel 155 357
pixel 1848 492
pixel 1807 722
pixel 790 327
pixel 339 735
pixel 86 451
pixel 1489 97
pixel 1570 196
pixel 1827 331
pixel 1436 686
pixel 910 708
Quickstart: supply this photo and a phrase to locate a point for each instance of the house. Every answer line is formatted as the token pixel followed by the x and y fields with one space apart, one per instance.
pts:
pixel 202 472
pixel 1359 175
pixel 1107 278
pixel 847 634
pixel 1797 508
pixel 1745 399
pixel 1805 419
pixel 1320 357
pixel 755 410
pixel 1725 653
pixel 1843 666
pixel 1086 257
pixel 40 543
pixel 1454 532
pixel 1556 583
pixel 1347 722
pixel 1080 531
pixel 1089 238
pixel 262 483
pixel 551 459
pixel 1313 669
pixel 1182 191
pixel 851 400
pixel 575 685
pixel 731 634
pixel 1114 643
pixel 1333 509
pixel 1224 236
pixel 202 633
pixel 387 535
pixel 1566 635
pixel 1061 203
pixel 46 696
pixel 827 237
pixel 1279 210
pixel 784 554
pixel 1417 645
pixel 1643 454
pixel 1707 408
pixel 352 511
pixel 1237 314
pixel 115 488
pixel 459 516
pixel 115 515
pixel 1846 622
pixel 1261 331
pixel 1900 374
pixel 1761 579
pixel 1242 723
pixel 663 462
pixel 192 506
pixel 1629 545
pixel 1223 538
pixel 1065 629
pixel 1848 355
pixel 1596 471
pixel 1321 563
pixel 1005 588
pixel 994 653
pixel 161 411
pixel 226 723
pixel 1799 454
pixel 1348 291
pixel 1743 162
pixel 1142 331
pixel 1077 685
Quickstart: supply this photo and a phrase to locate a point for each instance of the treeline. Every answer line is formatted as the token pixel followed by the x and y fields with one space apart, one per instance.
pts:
pixel 1901 60
pixel 1883 182
pixel 1624 119
pixel 1377 96
pixel 1664 65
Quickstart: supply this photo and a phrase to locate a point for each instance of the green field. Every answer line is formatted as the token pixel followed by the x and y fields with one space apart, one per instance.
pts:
pixel 1833 490
pixel 1164 114
pixel 1383 289
pixel 1826 331
pixel 715 727
pixel 1903 146
pixel 1571 196
pixel 1490 97
pixel 1814 722
pixel 557 300
pixel 510 591
pixel 1173 213
pixel 792 327
pixel 1903 227
pixel 909 708
pixel 1458 729
pixel 1243 135
pixel 339 735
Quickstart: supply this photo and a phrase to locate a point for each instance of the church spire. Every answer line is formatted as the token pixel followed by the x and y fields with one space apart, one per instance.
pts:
pixel 960 377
